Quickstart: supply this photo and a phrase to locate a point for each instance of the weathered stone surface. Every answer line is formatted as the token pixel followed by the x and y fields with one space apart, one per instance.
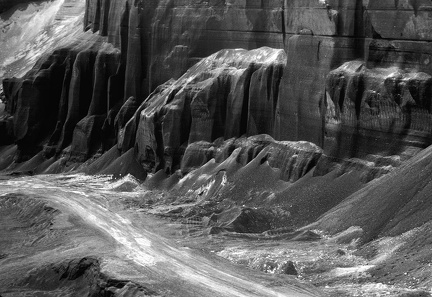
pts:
pixel 293 159
pixel 314 17
pixel 230 93
pixel 162 39
pixel 124 117
pixel 87 138
pixel 31 30
pixel 352 76
pixel 73 83
pixel 406 19
pixel 378 110
pixel 151 42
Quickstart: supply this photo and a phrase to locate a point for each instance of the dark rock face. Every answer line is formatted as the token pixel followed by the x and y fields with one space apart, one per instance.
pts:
pixel 331 72
pixel 317 37
pixel 64 100
pixel 412 21
pixel 284 93
pixel 323 98
pixel 366 104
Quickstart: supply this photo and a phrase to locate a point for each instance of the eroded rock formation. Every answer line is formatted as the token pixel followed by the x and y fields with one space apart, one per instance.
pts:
pixel 154 41
pixel 364 105
pixel 162 86
pixel 228 94
pixel 61 101
pixel 243 116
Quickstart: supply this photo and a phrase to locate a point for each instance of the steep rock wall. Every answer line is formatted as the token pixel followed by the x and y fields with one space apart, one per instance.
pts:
pixel 59 93
pixel 228 94
pixel 318 36
pixel 154 41
pixel 377 109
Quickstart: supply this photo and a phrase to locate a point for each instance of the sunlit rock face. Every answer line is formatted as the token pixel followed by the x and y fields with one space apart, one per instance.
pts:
pixel 297 56
pixel 162 39
pixel 247 115
pixel 292 159
pixel 34 29
pixel 318 36
pixel 228 94
pixel 7 4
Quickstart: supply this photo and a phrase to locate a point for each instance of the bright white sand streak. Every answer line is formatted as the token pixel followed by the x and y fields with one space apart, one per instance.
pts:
pixel 28 33
pixel 156 255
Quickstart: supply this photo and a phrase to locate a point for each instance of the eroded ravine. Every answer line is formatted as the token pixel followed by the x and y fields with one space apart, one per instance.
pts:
pixel 176 270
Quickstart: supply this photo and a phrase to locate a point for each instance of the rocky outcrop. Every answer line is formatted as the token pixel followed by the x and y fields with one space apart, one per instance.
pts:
pixel 30 31
pixel 228 94
pixel 231 137
pixel 388 104
pixel 318 36
pixel 61 101
pixel 293 159
pixel 289 89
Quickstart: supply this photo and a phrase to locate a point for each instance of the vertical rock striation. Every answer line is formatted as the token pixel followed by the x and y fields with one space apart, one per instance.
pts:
pixel 64 99
pixel 381 110
pixel 330 72
pixel 228 94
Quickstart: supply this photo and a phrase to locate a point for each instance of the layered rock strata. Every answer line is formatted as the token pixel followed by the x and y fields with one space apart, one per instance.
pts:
pixel 64 99
pixel 377 109
pixel 290 98
pixel 318 36
pixel 228 94
pixel 293 159
pixel 160 86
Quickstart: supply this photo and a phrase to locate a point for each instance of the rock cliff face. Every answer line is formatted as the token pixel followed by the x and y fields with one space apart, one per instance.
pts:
pixel 62 98
pixel 387 103
pixel 228 94
pixel 165 83
pixel 318 36
pixel 154 41
pixel 247 115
